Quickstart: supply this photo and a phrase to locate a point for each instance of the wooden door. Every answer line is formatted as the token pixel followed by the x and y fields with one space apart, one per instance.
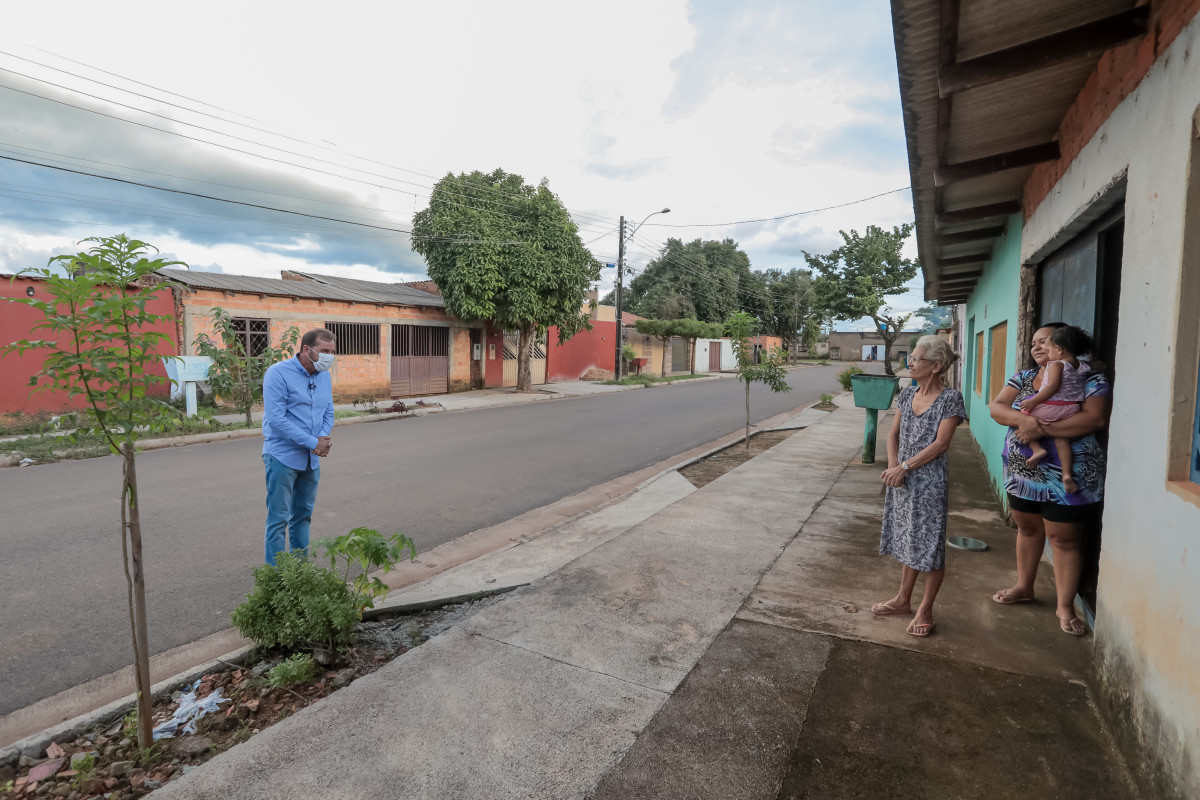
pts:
pixel 714 356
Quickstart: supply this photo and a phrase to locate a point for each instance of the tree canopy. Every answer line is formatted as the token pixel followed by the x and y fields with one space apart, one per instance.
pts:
pixel 502 250
pixel 855 280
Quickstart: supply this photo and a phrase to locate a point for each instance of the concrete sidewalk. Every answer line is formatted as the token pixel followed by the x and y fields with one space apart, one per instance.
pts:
pixel 721 647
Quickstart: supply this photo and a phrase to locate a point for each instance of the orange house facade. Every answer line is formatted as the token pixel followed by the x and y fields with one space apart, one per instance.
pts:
pixel 393 340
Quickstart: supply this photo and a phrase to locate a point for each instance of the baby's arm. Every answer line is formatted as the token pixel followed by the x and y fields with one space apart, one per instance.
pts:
pixel 1050 383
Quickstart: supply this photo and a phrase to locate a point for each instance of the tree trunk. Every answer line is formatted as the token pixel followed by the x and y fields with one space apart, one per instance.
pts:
pixel 666 345
pixel 136 582
pixel 524 345
pixel 747 415
pixel 889 339
pixel 692 347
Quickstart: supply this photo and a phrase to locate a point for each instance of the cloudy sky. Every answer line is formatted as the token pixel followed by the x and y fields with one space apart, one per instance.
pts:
pixel 722 111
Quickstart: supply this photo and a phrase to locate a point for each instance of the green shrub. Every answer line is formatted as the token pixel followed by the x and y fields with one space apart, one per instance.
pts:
pixel 296 603
pixel 300 668
pixel 845 375
pixel 826 399
pixel 367 549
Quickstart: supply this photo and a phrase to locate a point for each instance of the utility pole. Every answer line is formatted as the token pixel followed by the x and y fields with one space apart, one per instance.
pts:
pixel 617 295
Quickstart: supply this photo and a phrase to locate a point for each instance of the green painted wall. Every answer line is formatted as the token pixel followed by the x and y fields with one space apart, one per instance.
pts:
pixel 994 301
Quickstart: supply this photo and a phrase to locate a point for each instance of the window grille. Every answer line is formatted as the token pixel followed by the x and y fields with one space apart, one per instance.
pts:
pixel 253 334
pixel 355 338
pixel 420 340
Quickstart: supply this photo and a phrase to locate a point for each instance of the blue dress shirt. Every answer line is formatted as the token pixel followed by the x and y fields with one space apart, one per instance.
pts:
pixel 297 408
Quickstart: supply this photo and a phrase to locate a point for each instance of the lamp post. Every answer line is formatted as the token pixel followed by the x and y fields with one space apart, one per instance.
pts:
pixel 620 276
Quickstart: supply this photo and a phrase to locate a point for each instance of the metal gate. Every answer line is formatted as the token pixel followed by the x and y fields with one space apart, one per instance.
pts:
pixel 679 355
pixel 537 360
pixel 420 360
pixel 714 356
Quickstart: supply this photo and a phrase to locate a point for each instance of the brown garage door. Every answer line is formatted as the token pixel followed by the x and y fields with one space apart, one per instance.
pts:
pixel 420 360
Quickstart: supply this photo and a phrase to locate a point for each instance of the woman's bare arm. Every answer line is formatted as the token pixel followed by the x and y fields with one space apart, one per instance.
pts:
pixel 1028 428
pixel 939 445
pixel 1051 380
pixel 1093 416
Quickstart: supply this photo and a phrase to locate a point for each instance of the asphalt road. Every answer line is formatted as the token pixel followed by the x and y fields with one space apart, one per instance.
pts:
pixel 63 617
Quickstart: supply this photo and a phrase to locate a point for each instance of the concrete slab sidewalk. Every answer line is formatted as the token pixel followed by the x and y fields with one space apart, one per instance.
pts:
pixel 722 647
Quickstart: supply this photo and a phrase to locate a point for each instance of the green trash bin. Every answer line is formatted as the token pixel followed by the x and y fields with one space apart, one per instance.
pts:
pixel 875 394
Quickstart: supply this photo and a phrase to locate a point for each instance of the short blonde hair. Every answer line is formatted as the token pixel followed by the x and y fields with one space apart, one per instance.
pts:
pixel 937 349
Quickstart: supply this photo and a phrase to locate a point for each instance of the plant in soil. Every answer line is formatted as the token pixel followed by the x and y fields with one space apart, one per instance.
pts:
pixel 845 375
pixel 100 344
pixel 826 399
pixel 83 771
pixel 297 604
pixel 300 668
pixel 368 550
pixel 767 369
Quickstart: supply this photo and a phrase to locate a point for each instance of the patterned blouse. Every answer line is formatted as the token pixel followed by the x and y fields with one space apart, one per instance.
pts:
pixel 1044 482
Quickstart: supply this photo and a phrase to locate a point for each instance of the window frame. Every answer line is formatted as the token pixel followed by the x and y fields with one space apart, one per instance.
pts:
pixel 980 352
pixel 244 335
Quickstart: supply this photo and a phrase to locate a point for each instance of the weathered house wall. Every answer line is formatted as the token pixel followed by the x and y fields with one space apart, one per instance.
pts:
pixel 1136 120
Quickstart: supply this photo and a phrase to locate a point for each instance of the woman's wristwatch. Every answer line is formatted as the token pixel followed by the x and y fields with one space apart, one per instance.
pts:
pixel 904 464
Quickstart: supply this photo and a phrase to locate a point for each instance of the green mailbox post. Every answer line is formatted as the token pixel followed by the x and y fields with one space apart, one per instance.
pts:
pixel 874 393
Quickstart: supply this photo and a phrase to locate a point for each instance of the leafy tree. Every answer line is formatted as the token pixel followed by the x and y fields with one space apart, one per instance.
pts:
pixel 769 370
pixel 714 275
pixel 792 314
pixel 502 250
pixel 102 348
pixel 675 306
pixel 936 317
pixel 857 278
pixel 236 375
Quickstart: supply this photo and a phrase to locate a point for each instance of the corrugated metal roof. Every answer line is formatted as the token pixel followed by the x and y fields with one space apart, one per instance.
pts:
pixel 396 293
pixel 325 289
pixel 1007 115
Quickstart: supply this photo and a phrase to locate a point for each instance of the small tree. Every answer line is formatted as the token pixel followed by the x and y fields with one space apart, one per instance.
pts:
pixel 857 278
pixel 236 375
pixel 770 369
pixel 102 348
pixel 661 329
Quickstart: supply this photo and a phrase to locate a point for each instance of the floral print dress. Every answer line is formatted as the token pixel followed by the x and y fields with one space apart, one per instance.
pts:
pixel 914 515
pixel 1044 482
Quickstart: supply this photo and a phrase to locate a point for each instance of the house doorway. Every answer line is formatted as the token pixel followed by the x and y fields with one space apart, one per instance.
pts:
pixel 1080 284
pixel 714 356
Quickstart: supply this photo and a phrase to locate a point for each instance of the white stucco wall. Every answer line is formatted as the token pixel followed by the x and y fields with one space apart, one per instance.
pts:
pixel 1148 623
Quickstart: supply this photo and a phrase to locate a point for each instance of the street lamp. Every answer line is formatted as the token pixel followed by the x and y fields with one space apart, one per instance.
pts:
pixel 620 276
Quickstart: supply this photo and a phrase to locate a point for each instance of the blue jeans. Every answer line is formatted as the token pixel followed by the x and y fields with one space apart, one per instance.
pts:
pixel 291 495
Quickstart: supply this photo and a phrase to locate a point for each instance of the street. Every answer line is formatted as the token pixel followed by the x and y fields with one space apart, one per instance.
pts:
pixel 63 611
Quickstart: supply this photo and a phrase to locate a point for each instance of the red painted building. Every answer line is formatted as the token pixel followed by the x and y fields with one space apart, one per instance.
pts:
pixel 16 323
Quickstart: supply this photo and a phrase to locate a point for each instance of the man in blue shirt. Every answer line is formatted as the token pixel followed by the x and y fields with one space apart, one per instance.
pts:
pixel 297 421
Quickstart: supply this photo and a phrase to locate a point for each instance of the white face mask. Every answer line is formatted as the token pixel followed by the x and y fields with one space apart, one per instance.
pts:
pixel 323 361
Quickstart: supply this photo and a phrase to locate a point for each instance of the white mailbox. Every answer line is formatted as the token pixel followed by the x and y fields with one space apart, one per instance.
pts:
pixel 184 372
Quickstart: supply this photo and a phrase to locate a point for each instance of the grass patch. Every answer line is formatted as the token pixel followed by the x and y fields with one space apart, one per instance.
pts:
pixel 50 446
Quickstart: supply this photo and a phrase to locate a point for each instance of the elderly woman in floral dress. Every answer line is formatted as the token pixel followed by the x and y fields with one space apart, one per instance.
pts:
pixel 918 481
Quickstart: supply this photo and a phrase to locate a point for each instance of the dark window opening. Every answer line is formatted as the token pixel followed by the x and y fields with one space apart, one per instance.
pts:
pixel 355 338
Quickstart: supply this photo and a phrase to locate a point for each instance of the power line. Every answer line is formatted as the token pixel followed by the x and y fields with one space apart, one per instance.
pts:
pixel 234 122
pixel 235 202
pixel 774 219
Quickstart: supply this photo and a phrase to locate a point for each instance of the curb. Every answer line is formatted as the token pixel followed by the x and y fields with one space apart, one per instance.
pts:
pixel 428 605
pixel 708 453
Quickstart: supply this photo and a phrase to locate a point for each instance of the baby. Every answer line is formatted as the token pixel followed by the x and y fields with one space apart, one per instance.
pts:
pixel 1061 395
